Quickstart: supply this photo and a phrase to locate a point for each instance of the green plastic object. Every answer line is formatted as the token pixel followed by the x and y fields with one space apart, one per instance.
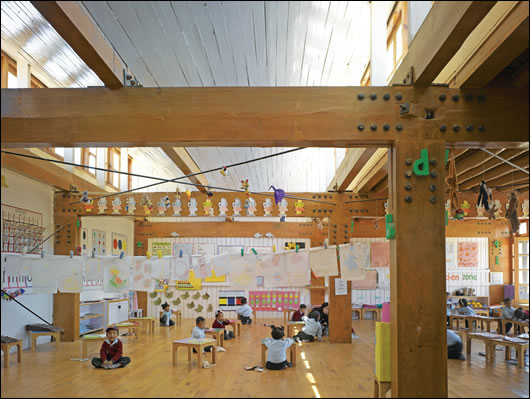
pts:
pixel 421 165
pixel 446 217
pixel 352 225
pixel 390 227
pixel 446 156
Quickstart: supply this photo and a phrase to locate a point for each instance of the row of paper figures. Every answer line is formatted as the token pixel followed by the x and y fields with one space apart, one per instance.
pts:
pixel 165 205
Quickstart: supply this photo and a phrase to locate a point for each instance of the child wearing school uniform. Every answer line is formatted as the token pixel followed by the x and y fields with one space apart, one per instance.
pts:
pixel 198 333
pixel 245 312
pixel 507 313
pixel 221 322
pixel 454 346
pixel 277 347
pixel 111 352
pixel 311 329
pixel 464 309
pixel 449 307
pixel 297 316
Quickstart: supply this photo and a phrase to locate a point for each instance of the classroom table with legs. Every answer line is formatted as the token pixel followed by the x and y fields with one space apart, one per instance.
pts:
pixel 377 312
pixel 91 338
pixel 358 310
pixel 287 315
pixel 198 345
pixel 488 320
pixel 521 325
pixel 6 347
pixel 291 326
pixel 520 348
pixel 150 321
pixel 292 356
pixel 129 326
pixel 218 334
pixel 486 337
pixel 456 317
pixel 236 325
pixel 482 312
pixel 35 334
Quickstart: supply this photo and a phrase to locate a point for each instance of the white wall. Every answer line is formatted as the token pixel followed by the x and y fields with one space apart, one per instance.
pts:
pixel 32 195
pixel 417 11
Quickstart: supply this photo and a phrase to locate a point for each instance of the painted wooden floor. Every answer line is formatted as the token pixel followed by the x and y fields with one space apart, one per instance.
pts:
pixel 323 370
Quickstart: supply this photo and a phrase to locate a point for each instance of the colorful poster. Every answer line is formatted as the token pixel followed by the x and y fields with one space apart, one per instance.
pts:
pixel 161 284
pixel 354 260
pixel 273 300
pixel 192 284
pixel 98 241
pixel 243 273
pixel 380 254
pixel 119 243
pixel 69 273
pixel 273 270
pixel 141 275
pixel 116 274
pixel 163 247
pixel 450 253
pixel 468 254
pixel 187 249
pixel 230 300
pixel 369 282
pixel 180 267
pixel 297 265
pixel 323 262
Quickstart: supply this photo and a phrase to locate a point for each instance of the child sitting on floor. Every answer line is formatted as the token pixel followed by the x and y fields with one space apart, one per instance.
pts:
pixel 198 333
pixel 520 315
pixel 312 327
pixel 277 348
pixel 507 313
pixel 111 352
pixel 245 312
pixel 454 346
pixel 221 322
pixel 297 316
pixel 165 320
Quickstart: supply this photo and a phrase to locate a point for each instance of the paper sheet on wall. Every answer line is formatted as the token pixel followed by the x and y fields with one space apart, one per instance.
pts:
pixel 341 287
pixel 496 278
pixel 180 267
pixel 468 254
pixel 187 249
pixel 201 265
pixel 243 273
pixel 323 262
pixel 161 268
pixel 273 270
pixel 369 282
pixel 69 273
pixel 380 254
pixel 297 265
pixel 93 269
pixel 43 274
pixel 383 277
pixel 205 248
pixel 450 253
pixel 116 274
pixel 141 278
pixel 13 276
pixel 229 249
pixel 163 247
pixel 221 264
pixel 354 260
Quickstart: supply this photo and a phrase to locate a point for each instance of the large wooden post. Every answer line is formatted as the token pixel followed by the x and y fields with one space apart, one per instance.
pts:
pixel 339 306
pixel 417 272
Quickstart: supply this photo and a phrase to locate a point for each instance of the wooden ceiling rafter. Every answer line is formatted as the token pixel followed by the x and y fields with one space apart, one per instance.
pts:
pixel 182 159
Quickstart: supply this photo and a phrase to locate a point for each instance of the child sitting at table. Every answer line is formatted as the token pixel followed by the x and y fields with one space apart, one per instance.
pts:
pixel 464 309
pixel 221 322
pixel 311 328
pixel 449 307
pixel 297 316
pixel 520 315
pixel 277 347
pixel 507 313
pixel 198 333
pixel 165 320
pixel 454 346
pixel 244 312
pixel 111 352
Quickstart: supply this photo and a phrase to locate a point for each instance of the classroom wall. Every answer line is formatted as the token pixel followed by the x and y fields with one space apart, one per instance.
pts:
pixel 32 195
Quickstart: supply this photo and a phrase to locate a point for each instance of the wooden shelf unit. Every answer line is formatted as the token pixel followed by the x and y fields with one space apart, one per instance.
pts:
pixel 90 331
pixel 485 300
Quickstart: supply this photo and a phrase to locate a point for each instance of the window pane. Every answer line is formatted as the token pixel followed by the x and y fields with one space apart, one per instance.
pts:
pixel 92 162
pixel 116 161
pixel 389 62
pixel 93 150
pixel 115 179
pixel 523 247
pixel 523 262
pixel 59 151
pixel 11 81
pixel 399 43
pixel 523 277
pixel 523 292
pixel 77 155
pixel 523 229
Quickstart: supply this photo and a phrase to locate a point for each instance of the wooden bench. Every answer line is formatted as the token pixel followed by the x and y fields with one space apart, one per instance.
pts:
pixel 381 388
pixel 377 312
pixel 6 347
pixel 198 345
pixel 519 348
pixel 292 354
pixel 178 316
pixel 91 338
pixel 488 320
pixel 53 334
pixel 480 336
pixel 456 317
pixel 150 321
pixel 218 334
pixel 515 324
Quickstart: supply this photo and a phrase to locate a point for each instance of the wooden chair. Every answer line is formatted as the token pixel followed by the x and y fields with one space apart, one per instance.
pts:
pixel 7 343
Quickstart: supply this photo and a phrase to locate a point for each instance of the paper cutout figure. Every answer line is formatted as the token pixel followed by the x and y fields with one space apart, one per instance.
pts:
pixel 102 205
pixel 465 206
pixel 250 206
pixel 208 207
pixel 278 194
pixel 299 206
pixel 480 210
pixel 192 206
pixel 283 207
pixel 177 205
pixel 147 204
pixel 236 207
pixel 161 207
pixel 89 205
pixel 267 207
pixel 525 207
pixel 244 186
pixel 224 172
pixel 498 207
pixel 223 207
pixel 116 206
pixel 130 207
pixel 188 194
pixel 386 207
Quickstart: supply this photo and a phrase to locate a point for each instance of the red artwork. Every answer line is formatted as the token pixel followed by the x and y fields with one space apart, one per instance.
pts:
pixel 468 254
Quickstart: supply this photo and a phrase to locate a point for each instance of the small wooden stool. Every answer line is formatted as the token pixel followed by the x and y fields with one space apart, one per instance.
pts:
pixel 91 338
pixel 150 321
pixel 198 345
pixel 291 325
pixel 218 334
pixel 381 388
pixel 375 310
pixel 358 310
pixel 519 349
pixel 35 334
pixel 6 347
pixel 292 356
pixel 129 326
pixel 236 325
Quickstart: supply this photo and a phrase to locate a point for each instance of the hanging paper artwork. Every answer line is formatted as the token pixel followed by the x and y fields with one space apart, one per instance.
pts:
pixel 192 284
pixel 250 206
pixel 380 254
pixel 201 267
pixel 323 262
pixel 130 205
pixel 297 266
pixel 243 274
pixel 141 275
pixel 230 300
pixel 177 205
pixel 116 206
pixel 369 282
pixel 89 205
pixel 214 278
pixel 116 274
pixel 267 207
pixel 451 258
pixel 161 206
pixel 245 187
pixel 93 274
pixel 468 254
pixel 465 206
pixel 180 267
pixel 102 205
pixel 525 208
pixel 192 206
pixel 283 207
pixel 208 207
pixel 236 207
pixel 69 273
pixel 147 204
pixel 119 243
pixel 223 207
pixel 273 270
pixel 98 242
pixel 354 260
pixel 187 249
pixel 163 247
pixel 13 275
pixel 229 249
pixel 299 207
pixel 383 277
pixel 161 267
pixel 43 272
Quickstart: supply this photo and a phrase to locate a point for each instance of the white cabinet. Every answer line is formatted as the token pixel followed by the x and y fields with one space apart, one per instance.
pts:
pixel 118 311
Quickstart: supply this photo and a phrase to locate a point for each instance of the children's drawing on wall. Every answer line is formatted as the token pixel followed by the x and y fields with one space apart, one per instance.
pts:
pixel 208 207
pixel 141 275
pixel 380 254
pixel 69 274
pixel 116 275
pixel 163 205
pixel 354 260
pixel 250 206
pixel 102 205
pixel 299 207
pixel 116 206
pixel 243 273
pixel 283 208
pixel 177 204
pixel 119 243
pixel 273 269
pixel 180 267
pixel 43 274
pixel 147 204
pixel 323 262
pixel 98 241
pixel 468 254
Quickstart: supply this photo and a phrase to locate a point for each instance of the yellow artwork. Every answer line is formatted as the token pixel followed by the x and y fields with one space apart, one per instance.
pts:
pixel 214 278
pixel 192 284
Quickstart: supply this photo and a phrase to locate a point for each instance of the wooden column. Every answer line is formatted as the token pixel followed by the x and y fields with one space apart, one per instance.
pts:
pixel 417 274
pixel 339 306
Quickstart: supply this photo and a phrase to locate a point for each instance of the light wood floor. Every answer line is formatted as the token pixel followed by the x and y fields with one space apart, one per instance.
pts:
pixel 329 370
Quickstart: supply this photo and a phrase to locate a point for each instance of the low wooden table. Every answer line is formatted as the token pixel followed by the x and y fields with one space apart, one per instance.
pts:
pixel 514 323
pixel 377 312
pixel 198 345
pixel 292 356
pixel 291 325
pixel 236 325
pixel 381 388
pixel 178 316
pixel 35 334
pixel 482 312
pixel 129 326
pixel 483 319
pixel 456 317
pixel 218 334
pixel 287 315
pixel 6 347
pixel 91 338
pixel 482 337
pixel 519 348
pixel 358 310
pixel 150 321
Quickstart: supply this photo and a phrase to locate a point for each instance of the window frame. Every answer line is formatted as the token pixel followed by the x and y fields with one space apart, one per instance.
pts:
pixel 398 18
pixel 85 154
pixel 516 269
pixel 110 165
pixel 11 67
pixel 129 170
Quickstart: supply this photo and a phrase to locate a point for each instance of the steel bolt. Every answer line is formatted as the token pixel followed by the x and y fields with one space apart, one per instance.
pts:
pixel 442 97
pixel 456 128
pixel 408 161
pixel 455 97
pixel 468 97
pixel 469 128
pixel 443 128
pixel 408 173
pixel 399 96
pixel 360 96
pixel 481 128
pixel 360 127
pixel 408 186
pixel 433 199
pixel 433 162
pixel 434 174
pixel 399 127
pixel 373 127
pixel 481 97
pixel 408 198
pixel 386 127
pixel 386 97
pixel 432 187
pixel 373 96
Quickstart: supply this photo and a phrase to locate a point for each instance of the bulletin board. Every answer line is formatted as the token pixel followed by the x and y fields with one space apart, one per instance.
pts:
pixel 274 300
pixel 22 230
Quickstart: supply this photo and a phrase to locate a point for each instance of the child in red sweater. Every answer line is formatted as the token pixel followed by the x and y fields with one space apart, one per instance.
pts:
pixel 297 316
pixel 221 322
pixel 111 352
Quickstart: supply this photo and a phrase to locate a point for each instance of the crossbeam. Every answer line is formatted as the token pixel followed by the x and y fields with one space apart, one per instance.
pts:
pixel 262 117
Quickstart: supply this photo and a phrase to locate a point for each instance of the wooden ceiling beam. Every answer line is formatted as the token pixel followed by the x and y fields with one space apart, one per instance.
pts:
pixel 259 117
pixel 502 44
pixel 75 25
pixel 515 183
pixel 509 178
pixel 382 185
pixel 376 167
pixel 475 160
pixel 187 165
pixel 520 77
pixel 443 31
pixel 350 166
